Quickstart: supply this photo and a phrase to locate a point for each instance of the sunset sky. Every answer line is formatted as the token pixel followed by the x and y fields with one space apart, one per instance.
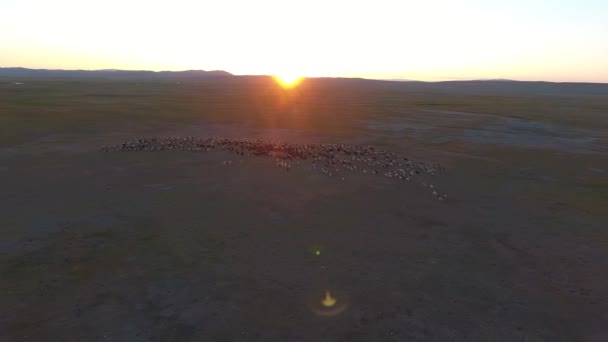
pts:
pixel 553 40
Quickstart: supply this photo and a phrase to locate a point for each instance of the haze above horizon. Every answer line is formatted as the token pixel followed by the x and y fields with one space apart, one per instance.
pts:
pixel 433 40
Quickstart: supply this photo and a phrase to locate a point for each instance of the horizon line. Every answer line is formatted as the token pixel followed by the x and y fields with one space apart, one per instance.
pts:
pixel 447 79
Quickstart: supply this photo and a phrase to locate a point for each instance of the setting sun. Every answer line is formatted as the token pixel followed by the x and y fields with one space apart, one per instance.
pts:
pixel 288 80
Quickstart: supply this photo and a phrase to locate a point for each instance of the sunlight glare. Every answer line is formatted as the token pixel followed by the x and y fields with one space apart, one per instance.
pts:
pixel 288 80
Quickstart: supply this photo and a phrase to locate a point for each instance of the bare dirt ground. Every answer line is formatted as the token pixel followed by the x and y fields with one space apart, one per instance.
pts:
pixel 182 246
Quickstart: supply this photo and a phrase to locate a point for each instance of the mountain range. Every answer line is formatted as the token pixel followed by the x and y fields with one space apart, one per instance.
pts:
pixel 111 73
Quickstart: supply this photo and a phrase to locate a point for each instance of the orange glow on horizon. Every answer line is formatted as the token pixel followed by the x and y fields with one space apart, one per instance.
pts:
pixel 288 80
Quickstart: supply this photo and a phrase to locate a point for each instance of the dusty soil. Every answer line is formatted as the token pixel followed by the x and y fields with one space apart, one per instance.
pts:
pixel 180 245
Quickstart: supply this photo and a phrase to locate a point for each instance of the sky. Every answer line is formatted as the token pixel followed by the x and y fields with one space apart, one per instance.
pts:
pixel 551 40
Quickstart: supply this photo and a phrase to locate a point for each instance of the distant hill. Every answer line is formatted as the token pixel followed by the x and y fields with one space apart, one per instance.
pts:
pixel 111 73
pixel 479 87
pixel 493 87
pixel 522 88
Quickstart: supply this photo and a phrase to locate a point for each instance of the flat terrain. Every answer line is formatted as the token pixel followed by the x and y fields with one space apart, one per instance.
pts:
pixel 180 245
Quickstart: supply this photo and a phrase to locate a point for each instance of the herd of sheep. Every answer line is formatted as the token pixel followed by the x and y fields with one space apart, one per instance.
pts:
pixel 334 160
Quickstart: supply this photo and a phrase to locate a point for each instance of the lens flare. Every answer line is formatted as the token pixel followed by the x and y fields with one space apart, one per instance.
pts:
pixel 328 301
pixel 329 304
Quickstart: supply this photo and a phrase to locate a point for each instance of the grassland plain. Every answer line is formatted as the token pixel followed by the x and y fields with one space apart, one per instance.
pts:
pixel 176 245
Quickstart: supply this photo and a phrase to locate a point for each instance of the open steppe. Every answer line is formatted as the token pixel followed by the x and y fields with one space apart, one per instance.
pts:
pixel 190 244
